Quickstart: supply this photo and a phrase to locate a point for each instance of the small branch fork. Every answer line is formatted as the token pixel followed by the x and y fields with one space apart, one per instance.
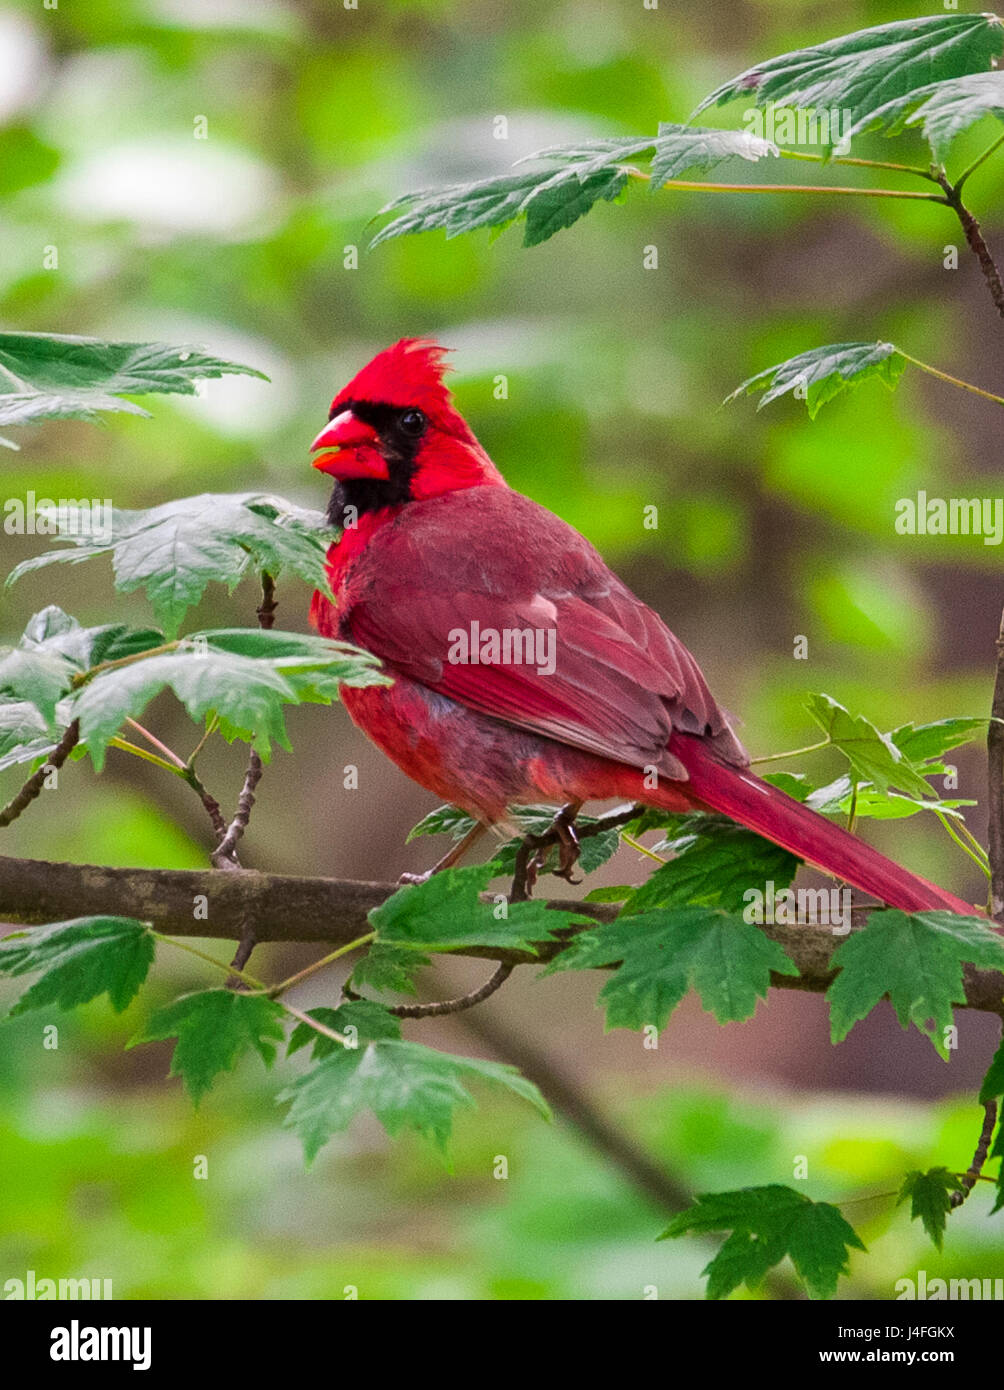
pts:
pixel 975 240
pixel 975 1171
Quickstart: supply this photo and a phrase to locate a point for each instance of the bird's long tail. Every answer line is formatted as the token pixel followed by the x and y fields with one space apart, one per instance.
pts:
pixel 738 793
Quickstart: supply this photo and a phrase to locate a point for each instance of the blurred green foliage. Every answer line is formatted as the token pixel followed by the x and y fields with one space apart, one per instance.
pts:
pixel 770 526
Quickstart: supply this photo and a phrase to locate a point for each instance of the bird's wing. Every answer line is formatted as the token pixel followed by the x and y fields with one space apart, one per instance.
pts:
pixel 605 673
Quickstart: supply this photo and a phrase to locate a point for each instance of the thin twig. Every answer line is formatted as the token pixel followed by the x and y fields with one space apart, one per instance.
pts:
pixel 971 1177
pixel 213 808
pixel 446 1006
pixel 225 854
pixel 977 244
pixel 321 964
pixel 36 781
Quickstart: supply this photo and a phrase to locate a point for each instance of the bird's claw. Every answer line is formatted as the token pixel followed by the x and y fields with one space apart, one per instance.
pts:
pixel 416 878
pixel 533 853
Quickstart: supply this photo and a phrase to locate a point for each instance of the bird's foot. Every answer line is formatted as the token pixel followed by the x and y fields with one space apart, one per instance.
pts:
pixel 449 859
pixel 416 878
pixel 532 854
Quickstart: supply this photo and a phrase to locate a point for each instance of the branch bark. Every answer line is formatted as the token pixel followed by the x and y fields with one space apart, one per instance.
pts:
pixel 280 907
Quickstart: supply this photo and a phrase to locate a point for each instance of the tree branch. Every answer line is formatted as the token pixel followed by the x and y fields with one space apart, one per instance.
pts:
pixel 280 907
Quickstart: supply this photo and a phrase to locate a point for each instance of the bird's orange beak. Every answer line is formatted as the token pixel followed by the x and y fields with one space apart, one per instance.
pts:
pixel 349 448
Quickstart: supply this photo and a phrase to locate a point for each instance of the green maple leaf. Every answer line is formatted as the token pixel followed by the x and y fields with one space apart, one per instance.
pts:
pixel 360 1020
pixel 922 743
pixel 861 72
pixel 446 912
pixel 406 1086
pixel 683 148
pixel 556 186
pixel 663 954
pixel 214 1028
pixel 209 673
pixel 768 1223
pixel 873 757
pixel 930 1196
pixel 55 376
pixel 917 960
pixel 174 551
pixel 386 967
pixel 712 862
pixel 840 797
pixel 821 373
pixel 54 649
pixel 942 109
pixel 24 733
pixel 80 958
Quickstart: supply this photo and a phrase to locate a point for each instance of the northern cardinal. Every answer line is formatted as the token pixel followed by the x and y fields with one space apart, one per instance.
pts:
pixel 440 559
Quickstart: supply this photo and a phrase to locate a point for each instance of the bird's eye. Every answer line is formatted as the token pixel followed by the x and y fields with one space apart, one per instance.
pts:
pixel 412 423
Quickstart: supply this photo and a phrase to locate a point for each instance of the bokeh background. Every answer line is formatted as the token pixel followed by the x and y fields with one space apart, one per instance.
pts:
pixel 771 527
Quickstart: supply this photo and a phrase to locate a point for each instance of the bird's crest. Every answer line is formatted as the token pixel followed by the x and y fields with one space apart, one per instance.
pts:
pixel 409 373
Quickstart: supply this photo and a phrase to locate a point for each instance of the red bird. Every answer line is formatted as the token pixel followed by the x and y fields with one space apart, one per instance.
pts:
pixel 524 670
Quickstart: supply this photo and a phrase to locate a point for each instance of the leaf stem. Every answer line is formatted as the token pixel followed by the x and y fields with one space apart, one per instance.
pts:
pixel 103 666
pixel 952 380
pixel 257 985
pixel 795 753
pixel 125 746
pixel 802 188
pixel 211 727
pixel 156 743
pixel 313 1023
pixel 861 163
pixel 203 955
pixel 960 824
pixel 636 844
pixel 852 812
pixel 278 989
pixel 984 868
pixel 977 162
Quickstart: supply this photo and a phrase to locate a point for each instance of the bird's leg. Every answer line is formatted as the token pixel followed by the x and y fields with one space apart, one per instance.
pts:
pixel 531 854
pixel 453 857
pixel 564 828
